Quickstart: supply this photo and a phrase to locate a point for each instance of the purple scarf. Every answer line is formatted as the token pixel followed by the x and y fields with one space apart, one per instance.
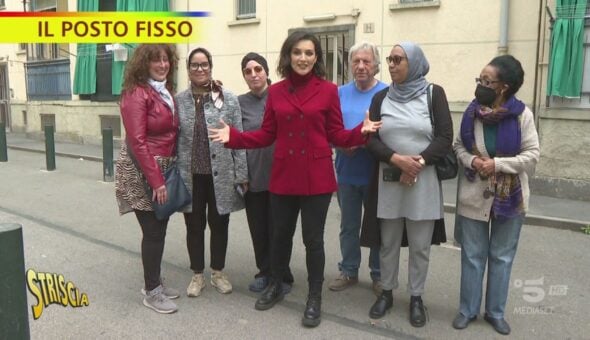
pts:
pixel 508 201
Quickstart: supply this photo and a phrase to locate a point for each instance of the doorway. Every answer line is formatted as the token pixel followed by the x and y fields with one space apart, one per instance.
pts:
pixel 4 97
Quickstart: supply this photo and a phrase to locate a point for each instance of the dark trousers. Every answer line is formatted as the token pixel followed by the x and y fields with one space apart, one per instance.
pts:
pixel 285 209
pixel 152 246
pixel 205 210
pixel 258 213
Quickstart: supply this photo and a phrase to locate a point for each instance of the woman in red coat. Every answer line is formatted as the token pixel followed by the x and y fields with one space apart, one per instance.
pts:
pixel 303 118
pixel 151 126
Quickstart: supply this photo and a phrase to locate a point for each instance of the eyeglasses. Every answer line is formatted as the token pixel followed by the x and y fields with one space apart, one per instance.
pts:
pixel 395 60
pixel 195 66
pixel 253 70
pixel 485 82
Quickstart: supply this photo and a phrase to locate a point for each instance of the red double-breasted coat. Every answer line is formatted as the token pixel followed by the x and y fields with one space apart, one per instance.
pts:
pixel 303 118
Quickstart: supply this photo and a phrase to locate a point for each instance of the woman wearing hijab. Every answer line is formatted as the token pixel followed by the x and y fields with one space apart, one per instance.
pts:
pixel 215 174
pixel 409 194
pixel 499 148
pixel 303 118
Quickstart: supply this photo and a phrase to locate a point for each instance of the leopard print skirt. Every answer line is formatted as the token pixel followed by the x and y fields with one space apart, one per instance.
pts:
pixel 131 188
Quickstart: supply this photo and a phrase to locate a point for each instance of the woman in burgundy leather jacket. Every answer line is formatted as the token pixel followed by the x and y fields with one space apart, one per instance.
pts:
pixel 151 127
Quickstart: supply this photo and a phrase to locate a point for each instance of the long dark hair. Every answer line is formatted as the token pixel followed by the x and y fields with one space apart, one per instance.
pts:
pixel 137 70
pixel 284 67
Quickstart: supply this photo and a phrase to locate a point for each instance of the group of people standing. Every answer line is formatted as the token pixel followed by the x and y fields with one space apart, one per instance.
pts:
pixel 388 139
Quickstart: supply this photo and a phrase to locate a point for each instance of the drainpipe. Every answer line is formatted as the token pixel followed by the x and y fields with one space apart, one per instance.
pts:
pixel 504 15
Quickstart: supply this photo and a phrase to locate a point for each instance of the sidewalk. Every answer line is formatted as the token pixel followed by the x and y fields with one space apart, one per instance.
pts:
pixel 543 210
pixel 71 228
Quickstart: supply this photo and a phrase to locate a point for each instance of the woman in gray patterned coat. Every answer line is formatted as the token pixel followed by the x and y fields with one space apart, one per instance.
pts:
pixel 215 174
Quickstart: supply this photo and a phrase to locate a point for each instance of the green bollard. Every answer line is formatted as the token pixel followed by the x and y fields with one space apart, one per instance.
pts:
pixel 107 155
pixel 49 148
pixel 3 144
pixel 14 318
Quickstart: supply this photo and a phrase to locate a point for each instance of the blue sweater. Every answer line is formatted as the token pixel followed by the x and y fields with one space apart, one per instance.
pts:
pixel 355 169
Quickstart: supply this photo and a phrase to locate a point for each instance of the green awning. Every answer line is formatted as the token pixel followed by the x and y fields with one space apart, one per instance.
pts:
pixel 118 69
pixel 85 72
pixel 566 61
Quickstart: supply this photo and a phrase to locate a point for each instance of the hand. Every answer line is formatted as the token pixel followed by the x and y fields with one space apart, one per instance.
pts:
pixel 407 179
pixel 349 151
pixel 160 195
pixel 488 167
pixel 476 163
pixel 245 186
pixel 220 135
pixel 370 126
pixel 408 164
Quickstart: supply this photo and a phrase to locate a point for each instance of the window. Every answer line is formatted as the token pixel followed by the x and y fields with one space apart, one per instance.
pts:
pixel 48 79
pixel 2 4
pixel 246 9
pixel 335 47
pixel 558 95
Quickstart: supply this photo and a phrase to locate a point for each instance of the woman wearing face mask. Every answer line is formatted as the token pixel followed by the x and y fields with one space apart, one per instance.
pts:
pixel 215 174
pixel 405 196
pixel 499 148
pixel 151 125
pixel 303 118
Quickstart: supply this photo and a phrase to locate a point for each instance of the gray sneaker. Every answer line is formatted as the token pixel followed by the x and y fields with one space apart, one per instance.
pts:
pixel 170 292
pixel 156 300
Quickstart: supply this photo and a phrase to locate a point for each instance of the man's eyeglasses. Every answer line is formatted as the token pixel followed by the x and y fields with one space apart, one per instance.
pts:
pixel 395 60
pixel 253 70
pixel 195 66
pixel 485 82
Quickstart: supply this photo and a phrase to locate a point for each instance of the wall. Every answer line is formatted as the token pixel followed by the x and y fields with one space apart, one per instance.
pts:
pixel 458 38
pixel 75 121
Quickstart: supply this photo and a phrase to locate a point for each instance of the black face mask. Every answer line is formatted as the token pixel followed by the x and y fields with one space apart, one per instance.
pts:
pixel 485 95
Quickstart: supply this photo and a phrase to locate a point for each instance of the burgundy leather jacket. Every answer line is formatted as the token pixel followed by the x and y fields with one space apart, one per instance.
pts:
pixel 151 129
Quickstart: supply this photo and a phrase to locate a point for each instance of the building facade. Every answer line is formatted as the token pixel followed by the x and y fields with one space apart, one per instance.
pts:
pixel 458 38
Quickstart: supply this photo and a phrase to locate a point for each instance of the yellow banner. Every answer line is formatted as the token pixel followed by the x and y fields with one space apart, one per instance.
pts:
pixel 119 28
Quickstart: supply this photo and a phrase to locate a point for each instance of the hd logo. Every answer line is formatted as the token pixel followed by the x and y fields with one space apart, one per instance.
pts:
pixel 50 288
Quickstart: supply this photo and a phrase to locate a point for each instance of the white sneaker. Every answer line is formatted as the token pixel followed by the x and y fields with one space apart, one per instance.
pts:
pixel 196 286
pixel 156 300
pixel 220 282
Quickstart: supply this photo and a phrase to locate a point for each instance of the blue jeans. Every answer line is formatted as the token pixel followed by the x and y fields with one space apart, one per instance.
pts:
pixel 351 199
pixel 498 248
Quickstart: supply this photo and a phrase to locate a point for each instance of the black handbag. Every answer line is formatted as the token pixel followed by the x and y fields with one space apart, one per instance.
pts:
pixel 178 195
pixel 447 167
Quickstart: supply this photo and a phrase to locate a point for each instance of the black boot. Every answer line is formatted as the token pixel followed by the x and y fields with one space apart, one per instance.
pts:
pixel 312 316
pixel 382 305
pixel 270 296
pixel 417 313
